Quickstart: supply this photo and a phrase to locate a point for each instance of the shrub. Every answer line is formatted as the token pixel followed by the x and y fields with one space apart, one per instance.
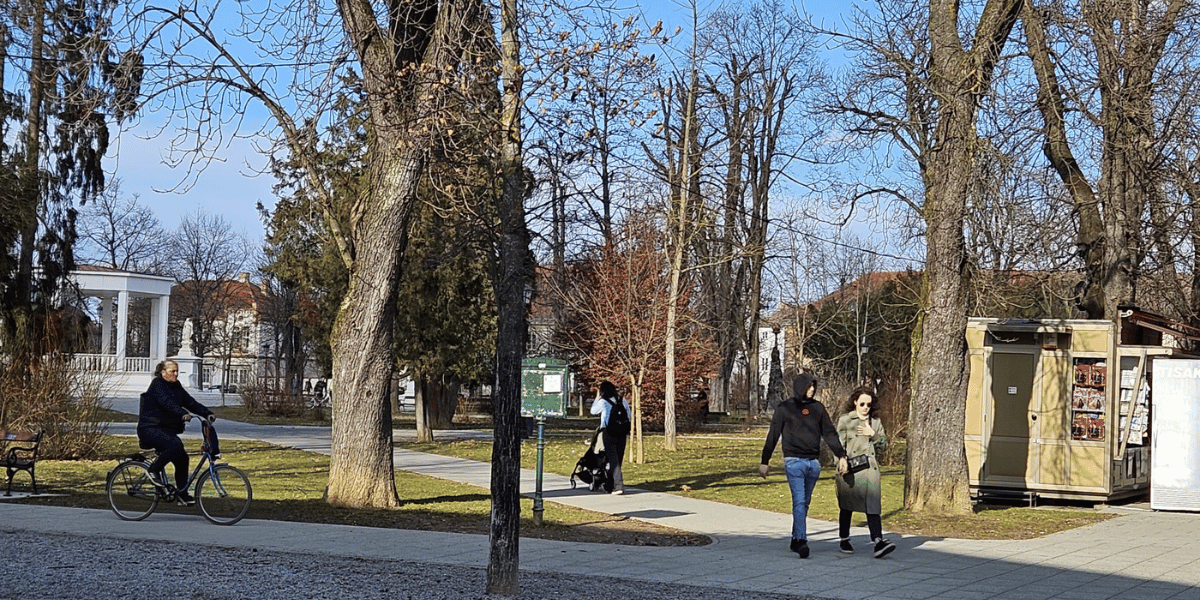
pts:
pixel 59 399
pixel 257 398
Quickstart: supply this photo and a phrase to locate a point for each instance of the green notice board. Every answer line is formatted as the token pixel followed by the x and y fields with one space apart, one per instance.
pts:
pixel 545 383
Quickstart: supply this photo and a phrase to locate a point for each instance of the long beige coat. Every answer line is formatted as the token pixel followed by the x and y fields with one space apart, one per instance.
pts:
pixel 861 491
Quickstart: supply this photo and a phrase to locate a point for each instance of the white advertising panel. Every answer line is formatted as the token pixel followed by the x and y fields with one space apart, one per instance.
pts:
pixel 1175 430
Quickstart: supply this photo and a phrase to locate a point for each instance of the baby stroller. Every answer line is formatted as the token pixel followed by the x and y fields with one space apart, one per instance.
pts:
pixel 591 468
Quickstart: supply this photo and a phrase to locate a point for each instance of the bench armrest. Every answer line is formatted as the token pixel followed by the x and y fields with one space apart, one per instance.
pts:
pixel 11 456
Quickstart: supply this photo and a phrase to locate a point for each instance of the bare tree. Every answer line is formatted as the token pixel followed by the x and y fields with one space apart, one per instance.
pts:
pixel 125 234
pixel 413 59
pixel 920 87
pixel 769 74
pixel 205 256
pixel 618 315
pixel 514 277
pixel 936 480
pixel 1124 52
pixel 586 133
pixel 683 176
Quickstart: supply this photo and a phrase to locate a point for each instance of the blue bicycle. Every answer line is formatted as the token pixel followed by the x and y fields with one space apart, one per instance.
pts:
pixel 222 492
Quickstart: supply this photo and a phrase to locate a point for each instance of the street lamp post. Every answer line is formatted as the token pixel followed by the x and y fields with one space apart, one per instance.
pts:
pixel 541 452
pixel 862 349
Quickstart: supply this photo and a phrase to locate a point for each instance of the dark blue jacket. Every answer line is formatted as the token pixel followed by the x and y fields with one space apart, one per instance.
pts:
pixel 165 403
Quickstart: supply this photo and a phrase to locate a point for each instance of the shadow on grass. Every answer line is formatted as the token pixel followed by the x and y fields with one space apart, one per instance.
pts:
pixel 447 499
pixel 716 480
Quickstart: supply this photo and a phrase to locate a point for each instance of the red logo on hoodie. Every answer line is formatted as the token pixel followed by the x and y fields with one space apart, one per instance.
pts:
pixel 804 412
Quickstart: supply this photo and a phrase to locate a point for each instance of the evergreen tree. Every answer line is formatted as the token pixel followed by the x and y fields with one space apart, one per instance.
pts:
pixel 300 250
pixel 446 316
pixel 57 77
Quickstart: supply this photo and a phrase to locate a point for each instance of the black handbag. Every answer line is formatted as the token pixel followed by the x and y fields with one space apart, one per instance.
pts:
pixel 858 463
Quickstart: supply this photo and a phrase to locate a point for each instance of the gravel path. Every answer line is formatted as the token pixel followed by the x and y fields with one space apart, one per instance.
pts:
pixel 71 567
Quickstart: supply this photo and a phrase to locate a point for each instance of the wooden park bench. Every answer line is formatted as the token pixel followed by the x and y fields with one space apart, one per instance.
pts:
pixel 20 454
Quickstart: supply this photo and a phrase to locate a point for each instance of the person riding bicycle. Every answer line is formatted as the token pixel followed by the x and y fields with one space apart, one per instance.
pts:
pixel 165 408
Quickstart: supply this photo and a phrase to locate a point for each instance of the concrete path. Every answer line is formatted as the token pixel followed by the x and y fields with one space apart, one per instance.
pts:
pixel 1140 555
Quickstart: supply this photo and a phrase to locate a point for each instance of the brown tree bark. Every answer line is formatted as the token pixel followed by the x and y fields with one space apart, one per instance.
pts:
pixel 1128 49
pixel 361 472
pixel 436 402
pixel 515 276
pixel 407 72
pixel 413 59
pixel 937 479
pixel 1090 240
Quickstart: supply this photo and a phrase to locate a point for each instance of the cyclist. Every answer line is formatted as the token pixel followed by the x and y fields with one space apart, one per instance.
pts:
pixel 165 408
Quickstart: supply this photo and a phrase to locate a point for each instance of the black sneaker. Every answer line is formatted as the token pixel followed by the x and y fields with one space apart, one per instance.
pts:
pixel 883 548
pixel 846 547
pixel 184 498
pixel 800 547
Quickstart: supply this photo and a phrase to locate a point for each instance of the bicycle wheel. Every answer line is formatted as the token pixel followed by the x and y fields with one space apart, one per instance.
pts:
pixel 130 492
pixel 224 495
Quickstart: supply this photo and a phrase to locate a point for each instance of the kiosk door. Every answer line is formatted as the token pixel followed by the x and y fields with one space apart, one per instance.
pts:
pixel 1014 432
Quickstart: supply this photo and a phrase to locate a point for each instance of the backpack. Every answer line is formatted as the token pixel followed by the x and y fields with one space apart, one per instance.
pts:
pixel 618 418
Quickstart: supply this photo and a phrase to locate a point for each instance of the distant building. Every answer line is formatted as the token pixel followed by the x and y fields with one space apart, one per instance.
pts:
pixel 239 328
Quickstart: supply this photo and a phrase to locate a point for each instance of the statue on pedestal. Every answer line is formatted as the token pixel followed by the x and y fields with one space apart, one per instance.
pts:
pixel 185 344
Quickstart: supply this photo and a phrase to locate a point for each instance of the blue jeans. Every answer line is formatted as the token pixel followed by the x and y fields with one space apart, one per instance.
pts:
pixel 802 474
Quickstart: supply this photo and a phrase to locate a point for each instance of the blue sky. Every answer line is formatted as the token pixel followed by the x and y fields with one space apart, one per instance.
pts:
pixel 227 187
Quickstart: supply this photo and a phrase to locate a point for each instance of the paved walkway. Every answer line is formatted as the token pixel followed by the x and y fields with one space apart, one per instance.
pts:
pixel 1140 555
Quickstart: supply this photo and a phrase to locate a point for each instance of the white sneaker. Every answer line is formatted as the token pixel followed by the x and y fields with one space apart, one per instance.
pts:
pixel 158 478
pixel 617 492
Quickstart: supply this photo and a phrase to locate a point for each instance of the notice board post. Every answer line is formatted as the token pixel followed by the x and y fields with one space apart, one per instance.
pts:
pixel 545 383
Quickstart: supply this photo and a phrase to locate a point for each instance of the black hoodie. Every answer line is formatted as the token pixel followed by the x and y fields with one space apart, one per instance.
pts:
pixel 803 422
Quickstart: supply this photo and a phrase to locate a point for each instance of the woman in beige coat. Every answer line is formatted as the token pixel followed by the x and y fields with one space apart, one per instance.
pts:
pixel 861 432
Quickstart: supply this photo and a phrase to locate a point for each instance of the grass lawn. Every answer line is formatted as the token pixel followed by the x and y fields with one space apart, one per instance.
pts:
pixel 724 468
pixel 289 486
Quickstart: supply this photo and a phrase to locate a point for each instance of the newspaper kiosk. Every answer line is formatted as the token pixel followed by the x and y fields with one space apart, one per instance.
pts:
pixel 1061 408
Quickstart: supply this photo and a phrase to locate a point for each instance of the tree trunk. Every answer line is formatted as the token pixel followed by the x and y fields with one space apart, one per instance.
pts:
pixel 408 70
pixel 639 449
pixel 436 403
pixel 680 226
pixel 937 478
pixel 17 317
pixel 360 466
pixel 1090 239
pixel 515 275
pixel 1129 48
pixel 424 430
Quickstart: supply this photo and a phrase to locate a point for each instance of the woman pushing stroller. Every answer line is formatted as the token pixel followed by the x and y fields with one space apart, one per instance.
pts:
pixel 614 414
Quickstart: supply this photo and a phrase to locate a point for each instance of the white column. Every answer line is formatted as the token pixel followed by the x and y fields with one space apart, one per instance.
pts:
pixel 122 327
pixel 106 309
pixel 159 323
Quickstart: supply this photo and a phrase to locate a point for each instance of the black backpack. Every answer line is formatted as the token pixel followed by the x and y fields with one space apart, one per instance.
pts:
pixel 618 418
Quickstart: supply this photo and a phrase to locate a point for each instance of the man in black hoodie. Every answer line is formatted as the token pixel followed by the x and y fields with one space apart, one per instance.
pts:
pixel 803 422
